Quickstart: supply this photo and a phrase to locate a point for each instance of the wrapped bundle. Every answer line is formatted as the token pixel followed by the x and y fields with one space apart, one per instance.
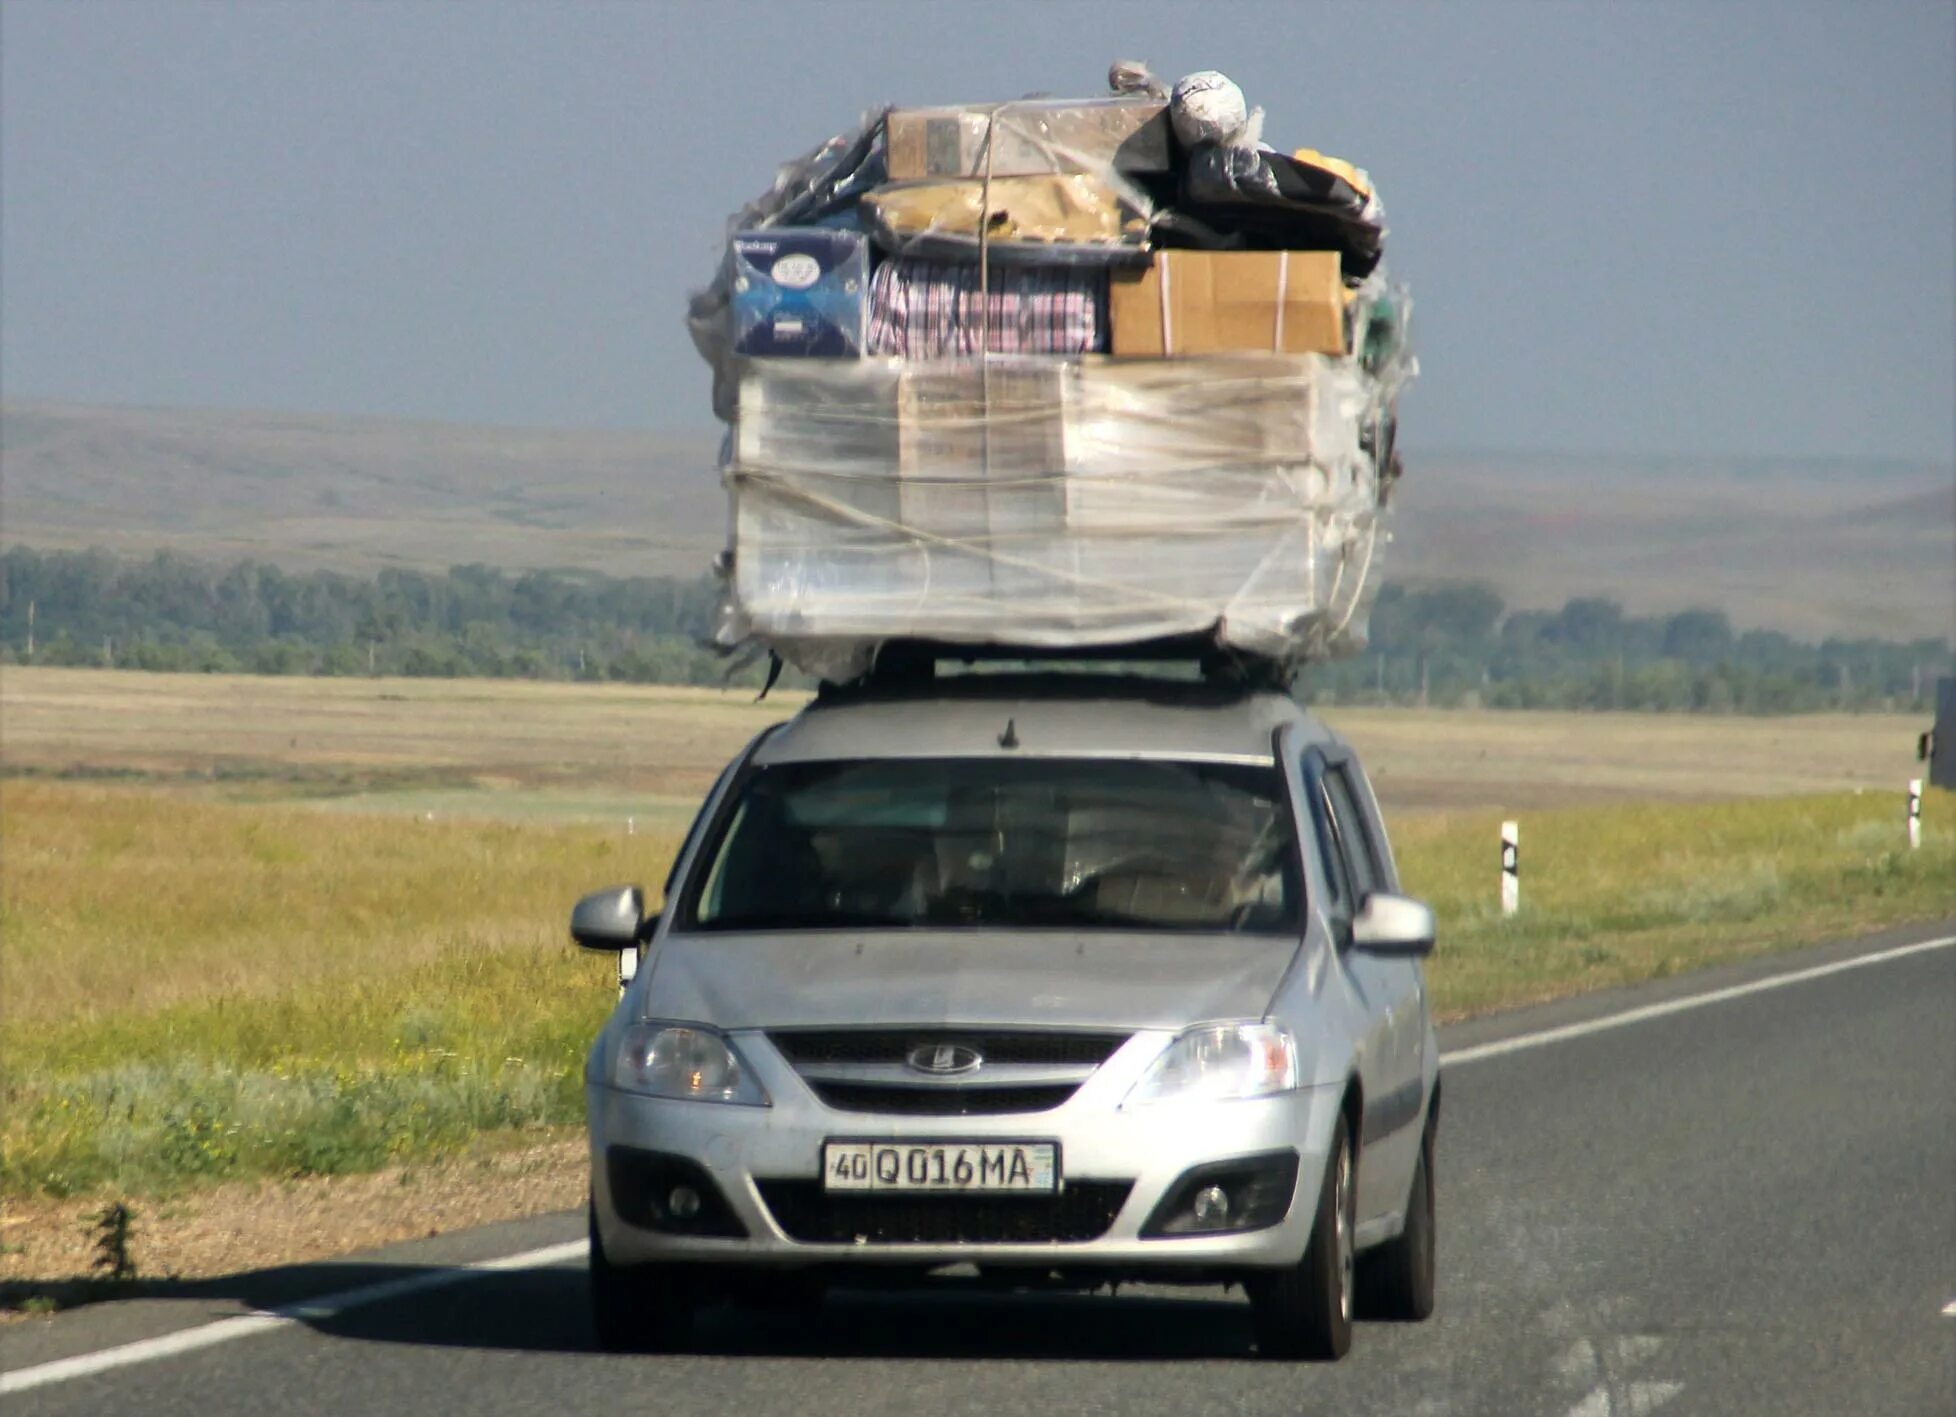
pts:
pixel 1056 374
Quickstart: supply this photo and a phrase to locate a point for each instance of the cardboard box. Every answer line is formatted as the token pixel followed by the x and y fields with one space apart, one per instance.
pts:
pixel 1030 138
pixel 799 291
pixel 1050 501
pixel 1212 302
pixel 981 452
pixel 824 427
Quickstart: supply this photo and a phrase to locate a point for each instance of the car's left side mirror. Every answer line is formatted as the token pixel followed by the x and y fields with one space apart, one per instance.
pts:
pixel 611 919
pixel 1390 924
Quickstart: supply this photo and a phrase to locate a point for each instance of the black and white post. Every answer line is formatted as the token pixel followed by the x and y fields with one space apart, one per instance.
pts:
pixel 1510 867
pixel 1915 814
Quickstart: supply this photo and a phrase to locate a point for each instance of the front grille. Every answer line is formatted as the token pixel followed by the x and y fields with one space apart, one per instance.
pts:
pixel 893 1045
pixel 812 1216
pixel 941 1101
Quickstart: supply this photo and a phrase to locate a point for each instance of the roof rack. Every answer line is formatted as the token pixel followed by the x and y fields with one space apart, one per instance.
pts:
pixel 915 661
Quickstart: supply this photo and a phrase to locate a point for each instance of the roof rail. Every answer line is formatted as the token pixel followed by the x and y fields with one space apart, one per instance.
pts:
pixel 911 661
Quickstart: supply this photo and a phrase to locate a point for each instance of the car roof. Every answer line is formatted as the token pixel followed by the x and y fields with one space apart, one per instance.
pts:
pixel 1042 715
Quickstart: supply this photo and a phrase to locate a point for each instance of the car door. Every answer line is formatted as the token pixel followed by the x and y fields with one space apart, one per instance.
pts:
pixel 1390 988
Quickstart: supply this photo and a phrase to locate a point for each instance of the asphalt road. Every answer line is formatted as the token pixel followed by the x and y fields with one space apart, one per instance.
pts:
pixel 1743 1207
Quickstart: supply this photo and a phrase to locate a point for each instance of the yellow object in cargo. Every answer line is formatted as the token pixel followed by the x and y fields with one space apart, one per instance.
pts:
pixel 1357 176
pixel 1052 207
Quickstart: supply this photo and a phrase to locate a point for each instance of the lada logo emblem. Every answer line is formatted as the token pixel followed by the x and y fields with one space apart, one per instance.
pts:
pixel 944 1058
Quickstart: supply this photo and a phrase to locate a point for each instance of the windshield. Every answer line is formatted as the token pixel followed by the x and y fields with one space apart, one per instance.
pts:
pixel 947 842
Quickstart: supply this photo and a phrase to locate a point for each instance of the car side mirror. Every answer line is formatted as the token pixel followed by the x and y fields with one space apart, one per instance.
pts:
pixel 612 919
pixel 1390 924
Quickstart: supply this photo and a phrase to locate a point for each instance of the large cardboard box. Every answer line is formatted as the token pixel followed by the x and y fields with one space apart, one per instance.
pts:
pixel 1029 138
pixel 820 430
pixel 982 451
pixel 1213 302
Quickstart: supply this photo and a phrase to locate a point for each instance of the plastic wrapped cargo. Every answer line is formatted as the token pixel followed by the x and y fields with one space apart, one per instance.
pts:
pixel 1002 482
pixel 1053 503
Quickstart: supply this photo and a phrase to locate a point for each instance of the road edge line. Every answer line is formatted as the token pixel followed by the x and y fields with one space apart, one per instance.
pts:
pixel 326 1306
pixel 1521 1042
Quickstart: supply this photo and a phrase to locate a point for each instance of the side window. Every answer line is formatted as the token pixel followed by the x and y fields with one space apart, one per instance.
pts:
pixel 1385 873
pixel 1331 853
pixel 1353 837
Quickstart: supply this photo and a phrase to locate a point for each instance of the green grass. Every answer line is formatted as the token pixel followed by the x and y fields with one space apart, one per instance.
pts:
pixel 1612 895
pixel 200 991
pixel 411 1064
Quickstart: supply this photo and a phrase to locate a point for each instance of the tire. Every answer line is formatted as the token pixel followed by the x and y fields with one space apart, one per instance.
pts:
pixel 1396 1281
pixel 636 1308
pixel 1306 1311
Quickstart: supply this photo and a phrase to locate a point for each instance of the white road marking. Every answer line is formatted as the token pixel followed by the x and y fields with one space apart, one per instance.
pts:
pixel 1949 1309
pixel 1632 1400
pixel 1518 1044
pixel 326 1306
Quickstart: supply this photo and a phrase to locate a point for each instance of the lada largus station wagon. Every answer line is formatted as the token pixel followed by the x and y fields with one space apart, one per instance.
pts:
pixel 1068 978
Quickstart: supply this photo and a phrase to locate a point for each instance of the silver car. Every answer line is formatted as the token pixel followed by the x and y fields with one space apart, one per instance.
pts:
pixel 1073 979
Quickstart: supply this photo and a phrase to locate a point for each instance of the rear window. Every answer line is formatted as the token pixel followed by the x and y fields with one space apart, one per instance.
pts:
pixel 1002 842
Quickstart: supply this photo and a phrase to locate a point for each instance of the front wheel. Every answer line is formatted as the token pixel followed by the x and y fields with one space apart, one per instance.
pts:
pixel 636 1308
pixel 1306 1311
pixel 1395 1281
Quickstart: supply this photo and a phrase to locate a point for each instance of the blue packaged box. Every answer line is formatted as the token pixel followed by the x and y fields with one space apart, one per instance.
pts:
pixel 799 290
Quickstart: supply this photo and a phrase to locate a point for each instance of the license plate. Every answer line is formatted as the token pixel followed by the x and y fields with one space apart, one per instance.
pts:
pixel 1031 1166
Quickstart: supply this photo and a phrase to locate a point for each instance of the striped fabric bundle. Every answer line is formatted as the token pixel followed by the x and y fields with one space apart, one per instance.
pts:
pixel 931 310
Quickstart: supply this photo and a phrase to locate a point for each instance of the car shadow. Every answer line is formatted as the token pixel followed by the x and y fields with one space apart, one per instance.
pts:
pixel 548 1311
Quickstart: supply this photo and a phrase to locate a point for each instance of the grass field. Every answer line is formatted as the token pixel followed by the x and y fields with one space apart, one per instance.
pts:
pixel 238 945
pixel 512 749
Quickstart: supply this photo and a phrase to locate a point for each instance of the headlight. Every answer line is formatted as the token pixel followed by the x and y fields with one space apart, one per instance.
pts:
pixel 1219 1062
pixel 686 1061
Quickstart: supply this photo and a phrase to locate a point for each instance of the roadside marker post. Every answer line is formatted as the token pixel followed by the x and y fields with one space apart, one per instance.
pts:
pixel 1915 814
pixel 1510 867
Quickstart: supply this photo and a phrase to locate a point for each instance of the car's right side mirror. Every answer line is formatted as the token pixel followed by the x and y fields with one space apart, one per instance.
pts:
pixel 1390 924
pixel 611 919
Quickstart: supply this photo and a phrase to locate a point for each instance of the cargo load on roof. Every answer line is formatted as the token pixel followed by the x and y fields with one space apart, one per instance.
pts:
pixel 1056 374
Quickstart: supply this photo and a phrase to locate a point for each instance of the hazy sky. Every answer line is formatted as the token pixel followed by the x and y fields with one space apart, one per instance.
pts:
pixel 1717 228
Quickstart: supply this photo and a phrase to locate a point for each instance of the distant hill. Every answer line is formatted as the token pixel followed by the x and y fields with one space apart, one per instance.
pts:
pixel 314 491
pixel 1813 548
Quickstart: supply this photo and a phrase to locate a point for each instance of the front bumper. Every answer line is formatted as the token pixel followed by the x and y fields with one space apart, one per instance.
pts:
pixel 765 1165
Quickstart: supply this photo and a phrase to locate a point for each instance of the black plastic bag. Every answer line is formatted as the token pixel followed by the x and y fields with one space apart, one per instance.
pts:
pixel 1283 203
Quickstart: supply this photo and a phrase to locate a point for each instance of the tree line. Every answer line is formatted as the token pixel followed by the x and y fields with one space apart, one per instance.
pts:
pixel 1455 644
pixel 175 613
pixel 1442 644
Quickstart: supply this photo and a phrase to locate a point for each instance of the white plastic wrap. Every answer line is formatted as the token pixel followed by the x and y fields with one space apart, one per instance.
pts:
pixel 1053 503
pixel 1036 496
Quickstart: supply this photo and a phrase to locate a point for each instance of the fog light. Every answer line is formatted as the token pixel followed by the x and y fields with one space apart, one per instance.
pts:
pixel 1211 1206
pixel 655 1190
pixel 1226 1197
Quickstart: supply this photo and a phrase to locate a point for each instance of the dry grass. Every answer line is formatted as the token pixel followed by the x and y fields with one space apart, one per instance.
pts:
pixel 1517 761
pixel 116 899
pixel 239 735
pixel 601 752
pixel 47 1244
